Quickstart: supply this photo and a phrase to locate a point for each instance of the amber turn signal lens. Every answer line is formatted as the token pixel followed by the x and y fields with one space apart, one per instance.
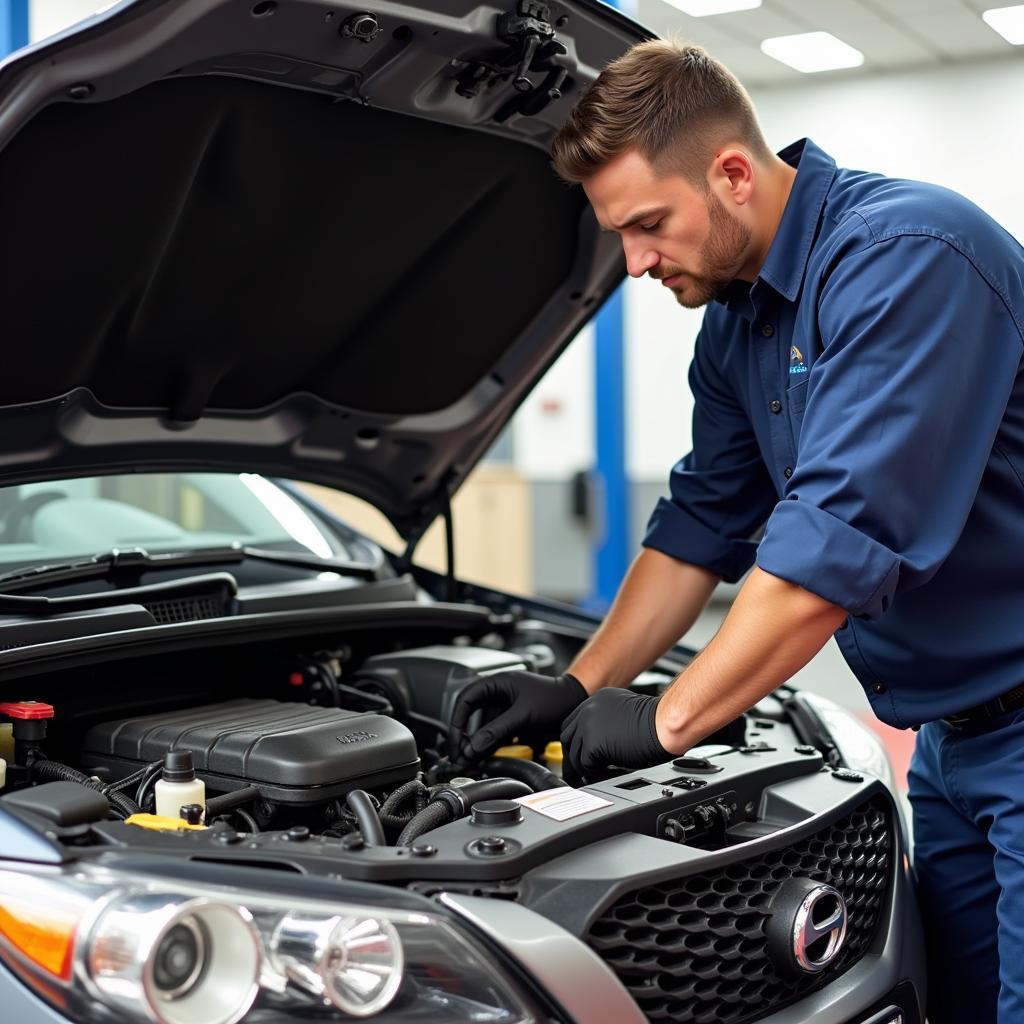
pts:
pixel 40 933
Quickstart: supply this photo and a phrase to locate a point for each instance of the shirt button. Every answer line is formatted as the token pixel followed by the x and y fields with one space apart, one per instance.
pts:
pixel 878 687
pixel 767 330
pixel 776 406
pixel 787 472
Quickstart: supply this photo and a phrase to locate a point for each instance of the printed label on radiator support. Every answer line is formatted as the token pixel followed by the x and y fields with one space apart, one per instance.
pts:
pixel 563 803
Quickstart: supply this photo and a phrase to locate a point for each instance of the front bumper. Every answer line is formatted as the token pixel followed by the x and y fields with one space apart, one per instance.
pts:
pixel 890 974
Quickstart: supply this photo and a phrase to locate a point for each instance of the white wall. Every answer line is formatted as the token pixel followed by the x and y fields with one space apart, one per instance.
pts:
pixel 554 428
pixel 959 126
pixel 45 17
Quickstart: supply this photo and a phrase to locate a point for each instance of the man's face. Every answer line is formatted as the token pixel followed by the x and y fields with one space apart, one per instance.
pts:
pixel 681 235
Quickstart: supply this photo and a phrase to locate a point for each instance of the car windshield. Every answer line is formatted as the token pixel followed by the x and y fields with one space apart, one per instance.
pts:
pixel 160 512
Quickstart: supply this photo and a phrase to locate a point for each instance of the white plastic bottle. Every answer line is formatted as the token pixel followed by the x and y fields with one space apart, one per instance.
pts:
pixel 178 785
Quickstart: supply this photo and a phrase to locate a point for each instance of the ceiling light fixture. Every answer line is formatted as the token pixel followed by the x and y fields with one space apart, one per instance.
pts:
pixel 1007 21
pixel 810 52
pixel 704 8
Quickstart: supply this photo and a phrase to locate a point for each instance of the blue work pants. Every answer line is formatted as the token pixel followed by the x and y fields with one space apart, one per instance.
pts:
pixel 967 792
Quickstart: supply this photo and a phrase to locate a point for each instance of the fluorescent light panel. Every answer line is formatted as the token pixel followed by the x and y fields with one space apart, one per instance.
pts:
pixel 703 8
pixel 812 51
pixel 1008 22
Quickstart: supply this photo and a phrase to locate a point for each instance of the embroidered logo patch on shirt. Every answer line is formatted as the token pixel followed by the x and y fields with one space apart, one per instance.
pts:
pixel 796 361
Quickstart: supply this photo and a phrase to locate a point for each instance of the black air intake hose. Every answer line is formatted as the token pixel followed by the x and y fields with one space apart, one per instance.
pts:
pixel 52 771
pixel 360 804
pixel 454 802
pixel 536 776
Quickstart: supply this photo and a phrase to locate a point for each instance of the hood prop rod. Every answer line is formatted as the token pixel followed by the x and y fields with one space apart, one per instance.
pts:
pixel 451 587
pixel 444 501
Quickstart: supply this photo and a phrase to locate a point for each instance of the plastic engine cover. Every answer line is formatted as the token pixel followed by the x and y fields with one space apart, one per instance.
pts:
pixel 293 752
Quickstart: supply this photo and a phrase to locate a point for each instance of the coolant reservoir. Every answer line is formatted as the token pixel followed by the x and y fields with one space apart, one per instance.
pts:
pixel 178 784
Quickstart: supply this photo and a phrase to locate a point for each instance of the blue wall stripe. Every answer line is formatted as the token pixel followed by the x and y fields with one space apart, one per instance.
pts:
pixel 612 545
pixel 13 25
pixel 611 553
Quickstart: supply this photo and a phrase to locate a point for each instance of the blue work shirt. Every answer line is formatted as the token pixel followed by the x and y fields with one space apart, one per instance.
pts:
pixel 863 400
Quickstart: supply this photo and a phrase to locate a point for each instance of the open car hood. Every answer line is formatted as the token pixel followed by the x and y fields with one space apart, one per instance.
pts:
pixel 301 238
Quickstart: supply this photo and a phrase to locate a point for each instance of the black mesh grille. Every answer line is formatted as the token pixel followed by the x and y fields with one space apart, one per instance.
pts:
pixel 185 609
pixel 693 949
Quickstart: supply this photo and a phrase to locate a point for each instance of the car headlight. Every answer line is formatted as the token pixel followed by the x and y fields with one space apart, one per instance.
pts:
pixel 92 942
pixel 165 957
pixel 859 746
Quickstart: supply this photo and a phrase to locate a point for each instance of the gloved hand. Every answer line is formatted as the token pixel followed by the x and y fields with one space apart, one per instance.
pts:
pixel 613 727
pixel 526 702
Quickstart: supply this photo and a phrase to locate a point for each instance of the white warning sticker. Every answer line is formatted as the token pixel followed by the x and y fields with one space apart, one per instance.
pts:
pixel 563 803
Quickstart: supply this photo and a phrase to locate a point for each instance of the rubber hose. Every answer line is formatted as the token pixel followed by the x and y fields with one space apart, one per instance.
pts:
pixel 432 816
pixel 126 783
pixel 493 789
pixel 142 793
pixel 442 727
pixel 125 804
pixel 229 801
pixel 448 799
pixel 248 819
pixel 400 795
pixel 359 803
pixel 53 771
pixel 391 814
pixel 534 775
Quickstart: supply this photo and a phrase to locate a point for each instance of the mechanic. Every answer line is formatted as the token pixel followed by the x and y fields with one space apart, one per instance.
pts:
pixel 858 394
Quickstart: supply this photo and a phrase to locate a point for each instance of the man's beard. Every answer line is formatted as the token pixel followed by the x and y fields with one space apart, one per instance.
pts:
pixel 722 256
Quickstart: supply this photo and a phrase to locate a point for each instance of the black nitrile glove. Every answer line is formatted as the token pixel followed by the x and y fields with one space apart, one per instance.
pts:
pixel 524 701
pixel 612 727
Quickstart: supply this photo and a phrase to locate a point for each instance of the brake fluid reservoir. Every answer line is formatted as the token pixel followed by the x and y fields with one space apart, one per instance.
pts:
pixel 178 784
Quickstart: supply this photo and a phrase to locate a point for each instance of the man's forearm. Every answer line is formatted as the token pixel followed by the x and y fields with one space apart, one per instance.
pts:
pixel 659 600
pixel 773 629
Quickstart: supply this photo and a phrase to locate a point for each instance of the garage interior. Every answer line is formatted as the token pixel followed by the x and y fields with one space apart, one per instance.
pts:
pixel 560 505
pixel 921 89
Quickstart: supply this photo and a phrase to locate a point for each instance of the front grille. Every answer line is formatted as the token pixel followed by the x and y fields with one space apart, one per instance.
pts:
pixel 185 609
pixel 693 949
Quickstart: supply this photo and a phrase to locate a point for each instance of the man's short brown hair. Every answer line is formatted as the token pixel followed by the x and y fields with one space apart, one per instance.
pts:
pixel 673 103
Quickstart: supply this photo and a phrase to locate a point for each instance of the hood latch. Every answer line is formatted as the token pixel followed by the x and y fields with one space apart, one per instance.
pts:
pixel 532 46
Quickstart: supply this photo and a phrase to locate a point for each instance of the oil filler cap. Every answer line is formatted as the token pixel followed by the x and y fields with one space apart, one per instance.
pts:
pixel 496 812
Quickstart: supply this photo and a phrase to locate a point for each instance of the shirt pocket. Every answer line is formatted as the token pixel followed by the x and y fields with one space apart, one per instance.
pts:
pixel 796 400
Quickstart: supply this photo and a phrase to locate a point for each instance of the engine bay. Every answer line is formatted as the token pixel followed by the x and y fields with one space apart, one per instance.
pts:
pixel 340 755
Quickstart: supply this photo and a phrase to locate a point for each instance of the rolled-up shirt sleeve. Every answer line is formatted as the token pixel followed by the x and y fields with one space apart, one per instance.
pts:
pixel 720 493
pixel 902 411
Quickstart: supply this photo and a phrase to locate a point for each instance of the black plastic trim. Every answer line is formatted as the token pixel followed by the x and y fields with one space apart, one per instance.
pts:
pixel 229 631
pixel 555 903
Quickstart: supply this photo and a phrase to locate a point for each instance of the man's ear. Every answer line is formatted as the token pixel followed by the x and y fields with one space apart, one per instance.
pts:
pixel 732 174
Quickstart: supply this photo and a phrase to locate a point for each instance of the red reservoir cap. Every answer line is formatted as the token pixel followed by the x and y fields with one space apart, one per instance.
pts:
pixel 26 709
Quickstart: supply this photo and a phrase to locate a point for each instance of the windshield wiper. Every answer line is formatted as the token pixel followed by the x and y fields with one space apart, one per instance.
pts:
pixel 132 561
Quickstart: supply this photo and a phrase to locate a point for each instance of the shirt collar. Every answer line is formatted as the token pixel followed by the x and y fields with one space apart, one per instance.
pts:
pixel 787 257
